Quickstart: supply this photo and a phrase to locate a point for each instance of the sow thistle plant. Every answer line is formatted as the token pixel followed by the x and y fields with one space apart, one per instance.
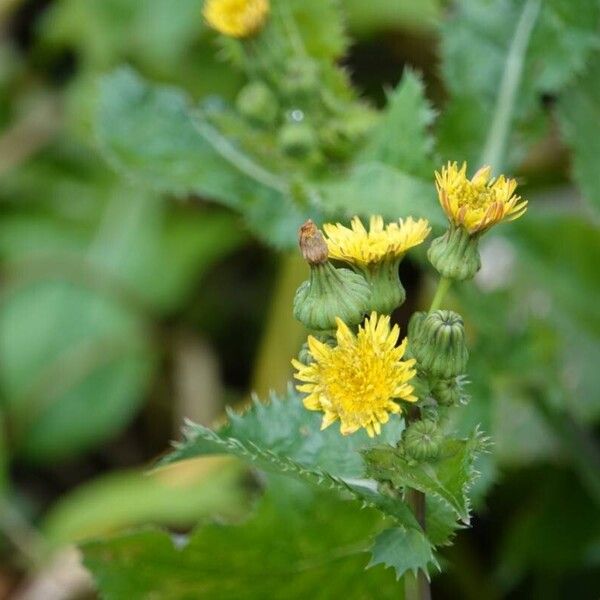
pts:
pixel 356 371
pixel 369 414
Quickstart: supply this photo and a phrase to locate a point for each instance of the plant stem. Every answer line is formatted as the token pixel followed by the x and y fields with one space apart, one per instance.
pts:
pixel 495 146
pixel 417 587
pixel 443 286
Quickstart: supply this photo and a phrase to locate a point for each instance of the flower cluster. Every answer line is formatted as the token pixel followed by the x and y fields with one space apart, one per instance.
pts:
pixel 352 367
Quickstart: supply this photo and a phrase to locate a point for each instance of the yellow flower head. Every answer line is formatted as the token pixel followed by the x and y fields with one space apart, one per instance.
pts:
pixel 362 248
pixel 236 18
pixel 358 380
pixel 479 203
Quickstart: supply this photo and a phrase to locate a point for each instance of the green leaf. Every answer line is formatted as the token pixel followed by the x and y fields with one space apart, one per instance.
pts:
pixel 321 26
pixel 150 134
pixel 286 429
pixel 402 138
pixel 321 533
pixel 74 367
pixel 376 188
pixel 282 436
pixel 448 478
pixel 475 51
pixel 177 496
pixel 404 550
pixel 104 32
pixel 441 522
pixel 578 107
pixel 75 348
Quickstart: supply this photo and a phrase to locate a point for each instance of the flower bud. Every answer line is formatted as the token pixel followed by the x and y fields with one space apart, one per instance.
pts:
pixel 446 391
pixel 329 292
pixel 387 290
pixel 257 103
pixel 298 139
pixel 422 440
pixel 449 392
pixel 437 341
pixel 455 254
pixel 301 77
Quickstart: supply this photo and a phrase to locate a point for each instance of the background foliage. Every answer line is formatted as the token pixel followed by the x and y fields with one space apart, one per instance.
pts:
pixel 145 273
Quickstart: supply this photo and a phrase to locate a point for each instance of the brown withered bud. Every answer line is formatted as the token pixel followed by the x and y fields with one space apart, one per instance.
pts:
pixel 312 244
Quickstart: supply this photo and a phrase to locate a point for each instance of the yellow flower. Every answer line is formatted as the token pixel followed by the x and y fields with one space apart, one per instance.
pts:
pixel 236 18
pixel 363 248
pixel 357 380
pixel 479 203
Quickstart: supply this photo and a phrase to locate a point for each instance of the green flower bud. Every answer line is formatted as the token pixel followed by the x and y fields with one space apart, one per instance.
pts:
pixel 437 341
pixel 301 78
pixel 422 440
pixel 449 392
pixel 257 103
pixel 298 139
pixel 455 254
pixel 421 387
pixel 329 292
pixel 387 290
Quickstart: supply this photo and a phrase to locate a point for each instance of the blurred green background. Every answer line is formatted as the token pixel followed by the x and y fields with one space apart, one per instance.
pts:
pixel 124 309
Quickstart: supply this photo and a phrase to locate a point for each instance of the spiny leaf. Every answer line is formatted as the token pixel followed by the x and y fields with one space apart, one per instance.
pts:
pixel 448 478
pixel 284 427
pixel 282 436
pixel 402 138
pixel 376 188
pixel 404 550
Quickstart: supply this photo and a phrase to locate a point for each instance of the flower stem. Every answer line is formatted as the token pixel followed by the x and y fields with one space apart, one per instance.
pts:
pixel 442 288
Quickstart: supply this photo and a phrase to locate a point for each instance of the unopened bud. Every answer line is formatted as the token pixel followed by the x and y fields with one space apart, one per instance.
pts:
pixel 301 77
pixel 449 392
pixel 258 103
pixel 422 440
pixel 437 341
pixel 298 139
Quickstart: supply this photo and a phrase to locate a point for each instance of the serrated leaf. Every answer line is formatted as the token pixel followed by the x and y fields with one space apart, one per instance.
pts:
pixel 230 562
pixel 296 27
pixel 402 138
pixel 376 188
pixel 578 108
pixel 440 522
pixel 283 437
pixel 404 550
pixel 448 478
pixel 285 428
pixel 152 135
